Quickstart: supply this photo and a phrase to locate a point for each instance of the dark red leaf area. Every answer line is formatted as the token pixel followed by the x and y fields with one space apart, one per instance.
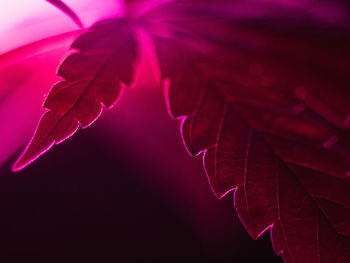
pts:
pixel 269 110
pixel 93 78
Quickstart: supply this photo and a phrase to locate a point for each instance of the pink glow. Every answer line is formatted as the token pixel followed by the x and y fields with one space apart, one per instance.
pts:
pixel 142 122
pixel 26 21
pixel 22 107
pixel 45 20
pixel 27 73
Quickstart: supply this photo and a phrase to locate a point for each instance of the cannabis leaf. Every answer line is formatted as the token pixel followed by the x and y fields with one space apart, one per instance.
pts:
pixel 265 100
pixel 263 134
pixel 93 78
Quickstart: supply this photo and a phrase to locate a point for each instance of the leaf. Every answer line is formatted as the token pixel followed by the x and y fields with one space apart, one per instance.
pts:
pixel 67 10
pixel 262 93
pixel 93 79
pixel 271 127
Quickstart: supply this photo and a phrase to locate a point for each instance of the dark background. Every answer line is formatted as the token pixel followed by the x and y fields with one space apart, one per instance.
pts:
pixel 83 203
pixel 123 190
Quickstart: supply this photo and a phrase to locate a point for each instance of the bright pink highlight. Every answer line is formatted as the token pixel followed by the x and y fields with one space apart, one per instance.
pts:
pixel 29 71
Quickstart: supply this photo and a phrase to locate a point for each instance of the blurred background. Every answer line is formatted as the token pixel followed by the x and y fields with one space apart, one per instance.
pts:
pixel 126 190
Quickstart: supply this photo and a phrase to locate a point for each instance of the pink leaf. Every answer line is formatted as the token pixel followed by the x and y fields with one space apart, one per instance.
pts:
pixel 93 78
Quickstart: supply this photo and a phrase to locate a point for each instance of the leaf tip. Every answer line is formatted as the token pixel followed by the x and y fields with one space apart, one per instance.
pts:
pixel 26 158
pixel 219 190
pixel 186 139
pixel 22 162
